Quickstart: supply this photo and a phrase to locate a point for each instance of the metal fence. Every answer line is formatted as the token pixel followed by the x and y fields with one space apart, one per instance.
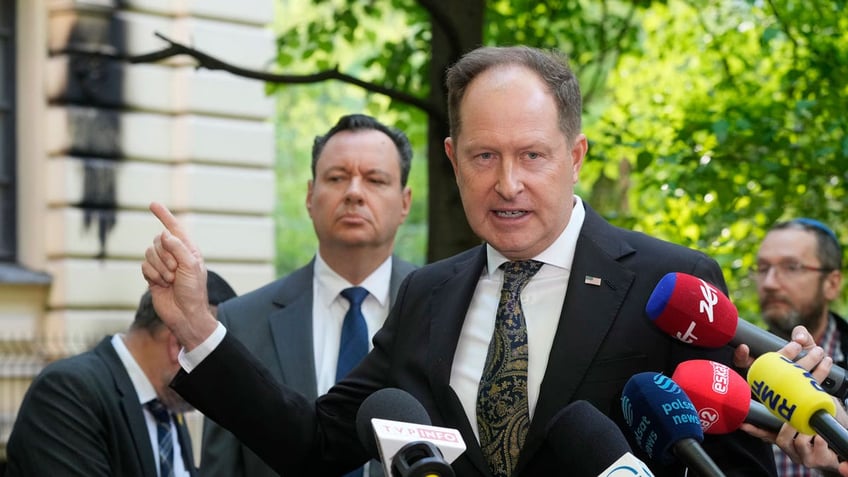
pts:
pixel 21 359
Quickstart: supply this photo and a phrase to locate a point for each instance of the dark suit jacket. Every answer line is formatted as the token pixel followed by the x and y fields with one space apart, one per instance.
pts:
pixel 275 323
pixel 603 338
pixel 81 417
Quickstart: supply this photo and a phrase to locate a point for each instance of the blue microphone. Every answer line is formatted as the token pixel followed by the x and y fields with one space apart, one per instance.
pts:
pixel 665 423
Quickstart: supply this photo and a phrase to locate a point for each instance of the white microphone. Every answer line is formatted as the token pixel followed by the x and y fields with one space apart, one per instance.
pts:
pixel 403 446
pixel 627 466
pixel 395 428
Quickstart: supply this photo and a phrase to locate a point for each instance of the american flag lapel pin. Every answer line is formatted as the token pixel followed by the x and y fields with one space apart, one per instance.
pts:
pixel 594 281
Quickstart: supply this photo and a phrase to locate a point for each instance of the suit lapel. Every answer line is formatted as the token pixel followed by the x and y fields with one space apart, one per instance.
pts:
pixel 588 313
pixel 130 407
pixel 400 270
pixel 291 330
pixel 448 306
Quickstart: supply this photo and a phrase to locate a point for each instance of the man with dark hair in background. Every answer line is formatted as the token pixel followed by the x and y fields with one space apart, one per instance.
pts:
pixel 357 198
pixel 109 411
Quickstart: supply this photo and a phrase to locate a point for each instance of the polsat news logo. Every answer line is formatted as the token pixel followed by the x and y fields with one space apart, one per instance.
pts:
pixel 720 381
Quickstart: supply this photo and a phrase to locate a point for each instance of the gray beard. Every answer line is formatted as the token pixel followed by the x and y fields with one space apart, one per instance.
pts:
pixel 810 318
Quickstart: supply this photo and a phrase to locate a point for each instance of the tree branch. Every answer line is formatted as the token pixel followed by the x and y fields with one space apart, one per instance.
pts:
pixel 211 63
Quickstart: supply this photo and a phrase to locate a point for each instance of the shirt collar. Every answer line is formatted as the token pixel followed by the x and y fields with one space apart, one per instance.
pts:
pixel 377 283
pixel 559 254
pixel 143 388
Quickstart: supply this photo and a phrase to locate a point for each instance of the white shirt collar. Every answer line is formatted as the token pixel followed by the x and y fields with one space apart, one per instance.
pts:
pixel 559 254
pixel 377 283
pixel 143 388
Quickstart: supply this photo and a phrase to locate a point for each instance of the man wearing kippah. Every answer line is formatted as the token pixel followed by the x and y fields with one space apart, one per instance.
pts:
pixel 798 274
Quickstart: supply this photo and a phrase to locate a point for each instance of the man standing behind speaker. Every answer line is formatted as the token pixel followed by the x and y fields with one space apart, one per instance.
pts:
pixel 357 199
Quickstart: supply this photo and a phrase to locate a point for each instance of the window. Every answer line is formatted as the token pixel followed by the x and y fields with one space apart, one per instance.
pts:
pixel 8 225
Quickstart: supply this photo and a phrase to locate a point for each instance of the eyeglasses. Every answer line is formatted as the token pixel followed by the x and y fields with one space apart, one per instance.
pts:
pixel 786 270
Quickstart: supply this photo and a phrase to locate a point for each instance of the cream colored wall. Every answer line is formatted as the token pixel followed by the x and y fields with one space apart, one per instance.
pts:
pixel 200 141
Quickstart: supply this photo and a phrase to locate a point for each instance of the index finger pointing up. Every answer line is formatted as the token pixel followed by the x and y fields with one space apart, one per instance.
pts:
pixel 169 221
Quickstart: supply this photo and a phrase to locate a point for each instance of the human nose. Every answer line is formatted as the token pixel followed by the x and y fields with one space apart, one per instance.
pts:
pixel 509 181
pixel 353 193
pixel 770 277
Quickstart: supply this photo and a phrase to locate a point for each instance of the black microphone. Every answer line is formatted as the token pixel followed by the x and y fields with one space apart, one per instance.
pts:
pixel 587 443
pixel 760 416
pixel 395 429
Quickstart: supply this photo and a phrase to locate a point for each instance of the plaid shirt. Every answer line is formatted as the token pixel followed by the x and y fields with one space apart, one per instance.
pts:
pixel 830 345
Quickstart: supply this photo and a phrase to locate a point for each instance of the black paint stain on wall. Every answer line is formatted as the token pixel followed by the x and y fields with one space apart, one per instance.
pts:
pixel 94 99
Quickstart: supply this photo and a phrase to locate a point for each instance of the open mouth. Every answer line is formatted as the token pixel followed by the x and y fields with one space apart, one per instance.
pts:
pixel 509 214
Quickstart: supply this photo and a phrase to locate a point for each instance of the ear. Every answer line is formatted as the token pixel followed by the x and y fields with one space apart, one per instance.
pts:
pixel 832 286
pixel 174 348
pixel 309 186
pixel 450 151
pixel 578 153
pixel 406 202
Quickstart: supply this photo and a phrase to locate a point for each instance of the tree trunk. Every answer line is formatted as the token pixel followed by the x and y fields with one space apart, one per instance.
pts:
pixel 457 27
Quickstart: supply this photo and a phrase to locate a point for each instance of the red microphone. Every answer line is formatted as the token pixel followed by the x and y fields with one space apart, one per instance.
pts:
pixel 696 312
pixel 721 397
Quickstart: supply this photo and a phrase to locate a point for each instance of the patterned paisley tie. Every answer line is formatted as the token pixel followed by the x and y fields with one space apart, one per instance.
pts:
pixel 503 415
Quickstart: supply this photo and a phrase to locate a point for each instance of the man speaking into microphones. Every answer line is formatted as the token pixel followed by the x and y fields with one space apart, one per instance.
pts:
pixel 546 310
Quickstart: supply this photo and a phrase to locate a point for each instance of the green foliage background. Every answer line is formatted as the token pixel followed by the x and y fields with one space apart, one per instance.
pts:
pixel 708 121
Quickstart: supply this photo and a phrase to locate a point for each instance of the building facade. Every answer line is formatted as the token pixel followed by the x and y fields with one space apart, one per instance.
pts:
pixel 88 139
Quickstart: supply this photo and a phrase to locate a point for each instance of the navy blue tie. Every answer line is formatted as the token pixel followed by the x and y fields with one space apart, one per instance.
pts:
pixel 353 345
pixel 163 433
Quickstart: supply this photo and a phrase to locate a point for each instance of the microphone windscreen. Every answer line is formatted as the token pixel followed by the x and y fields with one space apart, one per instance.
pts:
pixel 391 404
pixel 659 414
pixel 584 440
pixel 789 391
pixel 693 311
pixel 720 395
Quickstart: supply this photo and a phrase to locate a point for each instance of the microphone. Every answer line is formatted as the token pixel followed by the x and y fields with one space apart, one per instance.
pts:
pixel 665 423
pixel 588 444
pixel 695 312
pixel 395 428
pixel 760 416
pixel 721 397
pixel 792 393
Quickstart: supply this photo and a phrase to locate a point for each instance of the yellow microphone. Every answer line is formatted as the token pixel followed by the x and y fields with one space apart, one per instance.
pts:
pixel 791 393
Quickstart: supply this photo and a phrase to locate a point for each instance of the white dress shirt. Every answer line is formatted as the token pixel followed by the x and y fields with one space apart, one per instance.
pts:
pixel 145 391
pixel 329 309
pixel 541 301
